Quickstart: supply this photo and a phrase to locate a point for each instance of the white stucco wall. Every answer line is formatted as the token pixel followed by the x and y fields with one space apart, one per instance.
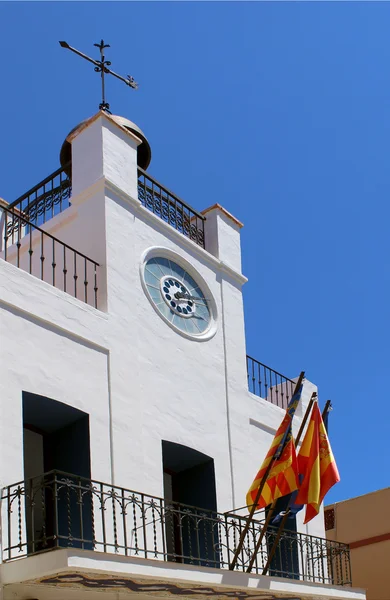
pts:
pixel 139 380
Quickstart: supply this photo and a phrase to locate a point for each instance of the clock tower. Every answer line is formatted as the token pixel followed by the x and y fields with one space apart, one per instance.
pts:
pixel 170 285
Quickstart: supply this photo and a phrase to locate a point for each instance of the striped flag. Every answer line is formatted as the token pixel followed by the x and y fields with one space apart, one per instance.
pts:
pixel 317 466
pixel 283 476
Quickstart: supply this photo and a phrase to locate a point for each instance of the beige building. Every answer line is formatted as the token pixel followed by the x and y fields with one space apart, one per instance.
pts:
pixel 364 523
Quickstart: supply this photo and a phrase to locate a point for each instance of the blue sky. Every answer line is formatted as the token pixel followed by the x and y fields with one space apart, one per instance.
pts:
pixel 281 113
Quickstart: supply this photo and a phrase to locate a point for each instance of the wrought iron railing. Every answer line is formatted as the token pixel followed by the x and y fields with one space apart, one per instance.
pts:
pixel 30 248
pixel 268 384
pixel 51 196
pixel 170 208
pixel 46 199
pixel 59 510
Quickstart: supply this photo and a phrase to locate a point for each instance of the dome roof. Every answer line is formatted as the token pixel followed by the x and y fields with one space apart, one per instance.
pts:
pixel 144 153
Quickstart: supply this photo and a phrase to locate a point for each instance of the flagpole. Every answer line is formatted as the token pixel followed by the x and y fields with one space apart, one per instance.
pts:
pixel 285 516
pixel 305 418
pixel 272 508
pixel 259 492
pixel 328 408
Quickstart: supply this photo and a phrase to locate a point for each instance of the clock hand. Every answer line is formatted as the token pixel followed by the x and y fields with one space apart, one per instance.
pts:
pixel 180 296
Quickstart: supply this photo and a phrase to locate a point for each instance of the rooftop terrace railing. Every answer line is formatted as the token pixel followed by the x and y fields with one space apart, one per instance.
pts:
pixel 269 384
pixel 166 205
pixel 46 199
pixel 52 196
pixel 30 248
pixel 60 510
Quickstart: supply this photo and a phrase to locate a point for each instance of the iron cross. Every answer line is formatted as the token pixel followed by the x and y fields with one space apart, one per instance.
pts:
pixel 101 66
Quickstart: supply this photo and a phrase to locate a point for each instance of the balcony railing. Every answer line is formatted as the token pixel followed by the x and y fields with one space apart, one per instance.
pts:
pixel 51 196
pixel 163 203
pixel 45 200
pixel 268 384
pixel 30 248
pixel 59 510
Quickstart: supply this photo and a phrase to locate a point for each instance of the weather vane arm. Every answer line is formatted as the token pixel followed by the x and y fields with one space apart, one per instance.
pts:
pixel 128 81
pixel 66 45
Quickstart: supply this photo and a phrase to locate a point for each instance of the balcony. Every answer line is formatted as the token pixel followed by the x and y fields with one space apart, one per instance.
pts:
pixel 59 510
pixel 34 250
pixel 268 383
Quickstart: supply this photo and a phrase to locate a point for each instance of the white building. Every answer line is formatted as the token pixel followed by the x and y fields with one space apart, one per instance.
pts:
pixel 124 379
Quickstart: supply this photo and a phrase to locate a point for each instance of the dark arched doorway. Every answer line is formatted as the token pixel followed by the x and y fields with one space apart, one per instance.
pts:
pixel 191 523
pixel 56 442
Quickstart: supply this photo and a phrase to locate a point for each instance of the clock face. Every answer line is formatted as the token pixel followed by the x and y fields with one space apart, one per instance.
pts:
pixel 177 296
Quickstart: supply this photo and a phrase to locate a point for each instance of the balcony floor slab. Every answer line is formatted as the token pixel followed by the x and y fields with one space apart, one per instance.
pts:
pixel 65 573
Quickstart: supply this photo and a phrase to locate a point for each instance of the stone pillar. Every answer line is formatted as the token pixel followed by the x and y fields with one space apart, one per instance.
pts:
pixel 222 236
pixel 103 148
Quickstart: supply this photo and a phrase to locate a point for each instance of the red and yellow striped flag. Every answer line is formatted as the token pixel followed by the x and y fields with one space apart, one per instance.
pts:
pixel 283 476
pixel 317 466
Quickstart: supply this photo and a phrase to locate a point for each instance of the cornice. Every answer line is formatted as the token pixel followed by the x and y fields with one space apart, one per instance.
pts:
pixel 224 212
pixel 94 118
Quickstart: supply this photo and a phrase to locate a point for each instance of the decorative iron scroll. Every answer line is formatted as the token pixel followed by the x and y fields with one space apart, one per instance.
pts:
pixel 48 200
pixel 43 202
pixel 170 208
pixel 40 207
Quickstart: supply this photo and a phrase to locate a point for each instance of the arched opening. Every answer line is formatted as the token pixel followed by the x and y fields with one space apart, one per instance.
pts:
pixel 56 441
pixel 190 505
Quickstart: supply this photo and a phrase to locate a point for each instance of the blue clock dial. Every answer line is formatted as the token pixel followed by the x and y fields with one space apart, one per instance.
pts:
pixel 177 296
